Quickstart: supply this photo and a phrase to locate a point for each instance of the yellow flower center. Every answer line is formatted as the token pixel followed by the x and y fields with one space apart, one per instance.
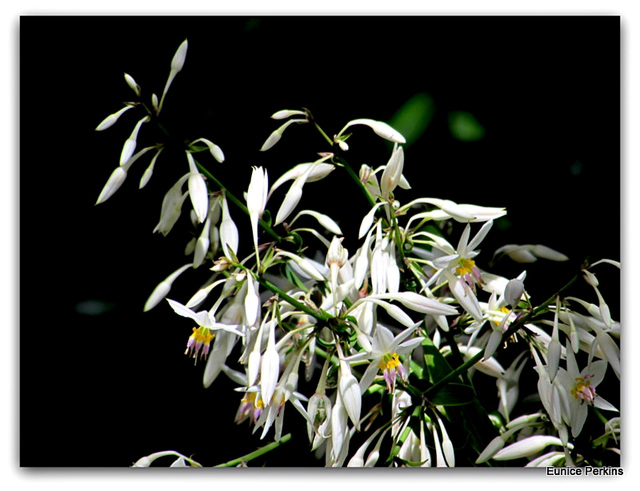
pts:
pixel 583 389
pixel 389 362
pixel 199 341
pixel 465 266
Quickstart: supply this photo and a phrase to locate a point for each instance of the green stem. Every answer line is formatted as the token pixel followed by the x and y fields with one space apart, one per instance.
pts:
pixel 506 335
pixel 257 453
pixel 329 140
pixel 289 299
pixel 357 180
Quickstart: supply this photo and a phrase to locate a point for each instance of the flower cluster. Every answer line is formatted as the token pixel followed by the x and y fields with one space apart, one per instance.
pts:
pixel 391 335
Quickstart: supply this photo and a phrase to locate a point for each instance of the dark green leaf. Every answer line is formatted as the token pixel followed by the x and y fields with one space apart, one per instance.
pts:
pixel 453 395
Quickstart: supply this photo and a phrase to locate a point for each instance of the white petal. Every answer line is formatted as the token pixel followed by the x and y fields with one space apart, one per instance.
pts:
pixel 381 129
pixel 112 118
pixel 420 303
pixel 214 149
pixel 198 191
pixel 350 393
pixel 324 220
pixel 114 182
pixel 269 371
pixel 317 171
pixel 526 447
pixel 291 200
pixel 287 113
pixel 130 144
pixel 179 57
pixel 228 233
pixel 163 288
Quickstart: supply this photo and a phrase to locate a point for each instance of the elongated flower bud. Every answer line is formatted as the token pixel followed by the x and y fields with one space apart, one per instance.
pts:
pixel 163 288
pixel 112 118
pixel 381 129
pixel 526 447
pixel 132 83
pixel 392 172
pixel 130 145
pixel 176 65
pixel 214 149
pixel 114 182
pixel 198 191
pixel 287 113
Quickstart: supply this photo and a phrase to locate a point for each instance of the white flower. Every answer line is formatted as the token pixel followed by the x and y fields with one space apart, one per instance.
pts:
pixel 130 144
pixel 229 237
pixel 132 84
pixel 526 447
pixel 514 290
pixel 417 302
pixel 176 65
pixel 149 170
pixel 295 191
pixel 324 220
pixel 448 209
pixel 257 200
pixel 116 179
pixel 385 355
pixel 392 172
pixel 277 134
pixel 287 113
pixel 317 171
pixel 118 176
pixel 528 253
pixel 580 386
pixel 381 129
pixel 269 366
pixel 112 118
pixel 198 191
pixel 171 207
pixel 162 290
pixel 214 149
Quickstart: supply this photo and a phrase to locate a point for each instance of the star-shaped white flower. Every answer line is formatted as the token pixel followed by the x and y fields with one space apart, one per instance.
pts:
pixel 385 355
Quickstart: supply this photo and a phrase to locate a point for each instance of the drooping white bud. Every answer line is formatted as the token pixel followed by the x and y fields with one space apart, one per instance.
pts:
pixel 214 149
pixel 513 292
pixel 163 288
pixel 130 144
pixel 171 207
pixel 114 182
pixel 198 191
pixel 112 118
pixel 381 129
pixel 287 113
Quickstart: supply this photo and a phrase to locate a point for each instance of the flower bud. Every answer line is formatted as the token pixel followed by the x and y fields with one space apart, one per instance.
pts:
pixel 132 83
pixel 381 129
pixel 392 172
pixel 112 118
pixel 513 292
pixel 287 113
pixel 114 182
pixel 162 290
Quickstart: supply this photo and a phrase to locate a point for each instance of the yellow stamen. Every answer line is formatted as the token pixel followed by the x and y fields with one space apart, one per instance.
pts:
pixel 388 362
pixel 465 266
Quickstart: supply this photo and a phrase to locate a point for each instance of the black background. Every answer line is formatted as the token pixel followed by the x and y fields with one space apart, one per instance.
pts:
pixel 105 387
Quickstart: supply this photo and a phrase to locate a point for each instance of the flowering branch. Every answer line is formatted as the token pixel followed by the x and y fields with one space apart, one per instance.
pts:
pixel 386 323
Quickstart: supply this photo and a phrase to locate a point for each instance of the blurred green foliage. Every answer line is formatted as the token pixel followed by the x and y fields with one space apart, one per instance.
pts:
pixel 413 117
pixel 465 127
